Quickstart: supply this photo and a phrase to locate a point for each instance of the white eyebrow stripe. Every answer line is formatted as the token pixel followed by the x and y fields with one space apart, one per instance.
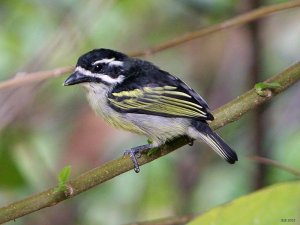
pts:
pixel 103 61
pixel 110 62
pixel 103 77
pixel 116 63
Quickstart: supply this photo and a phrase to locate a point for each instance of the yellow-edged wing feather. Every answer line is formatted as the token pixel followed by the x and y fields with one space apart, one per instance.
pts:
pixel 164 101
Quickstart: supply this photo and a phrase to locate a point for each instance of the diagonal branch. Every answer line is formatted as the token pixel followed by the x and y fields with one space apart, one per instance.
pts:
pixel 271 162
pixel 234 22
pixel 29 78
pixel 228 113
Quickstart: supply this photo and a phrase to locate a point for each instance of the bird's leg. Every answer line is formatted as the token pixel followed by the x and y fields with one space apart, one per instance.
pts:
pixel 135 153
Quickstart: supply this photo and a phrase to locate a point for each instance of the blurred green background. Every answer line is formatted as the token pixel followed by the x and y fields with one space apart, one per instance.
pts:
pixel 45 126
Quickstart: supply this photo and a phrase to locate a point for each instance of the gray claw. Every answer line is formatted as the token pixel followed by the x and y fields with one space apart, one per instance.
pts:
pixel 133 154
pixel 136 153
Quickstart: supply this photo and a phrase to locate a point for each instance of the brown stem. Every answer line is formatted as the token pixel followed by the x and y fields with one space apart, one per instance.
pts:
pixel 234 22
pixel 29 78
pixel 228 113
pixel 266 161
pixel 258 127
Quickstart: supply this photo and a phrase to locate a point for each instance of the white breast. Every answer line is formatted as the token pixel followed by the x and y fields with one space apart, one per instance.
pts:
pixel 97 97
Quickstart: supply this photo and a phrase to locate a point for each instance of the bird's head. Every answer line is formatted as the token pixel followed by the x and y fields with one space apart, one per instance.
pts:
pixel 99 66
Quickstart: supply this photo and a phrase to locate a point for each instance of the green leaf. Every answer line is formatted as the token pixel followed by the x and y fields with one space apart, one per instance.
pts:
pixel 260 87
pixel 152 151
pixel 11 173
pixel 63 178
pixel 149 141
pixel 274 205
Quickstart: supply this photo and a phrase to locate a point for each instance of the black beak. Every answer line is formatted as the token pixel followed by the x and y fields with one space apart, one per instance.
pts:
pixel 76 78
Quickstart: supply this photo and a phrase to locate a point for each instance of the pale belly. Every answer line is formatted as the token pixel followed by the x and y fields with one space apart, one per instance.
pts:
pixel 160 129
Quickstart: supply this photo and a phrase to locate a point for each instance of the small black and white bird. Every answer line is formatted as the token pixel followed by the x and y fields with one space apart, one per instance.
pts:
pixel 135 95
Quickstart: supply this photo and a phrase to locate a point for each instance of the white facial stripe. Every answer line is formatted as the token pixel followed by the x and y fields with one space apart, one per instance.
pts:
pixel 110 80
pixel 110 62
pixel 103 77
pixel 83 71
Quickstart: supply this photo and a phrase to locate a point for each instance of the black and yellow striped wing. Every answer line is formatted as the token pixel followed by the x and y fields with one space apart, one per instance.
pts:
pixel 165 95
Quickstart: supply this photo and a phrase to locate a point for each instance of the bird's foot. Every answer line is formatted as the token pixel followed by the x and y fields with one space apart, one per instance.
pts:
pixel 135 153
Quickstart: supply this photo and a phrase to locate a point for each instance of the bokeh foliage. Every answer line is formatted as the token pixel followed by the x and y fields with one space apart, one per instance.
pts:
pixel 47 126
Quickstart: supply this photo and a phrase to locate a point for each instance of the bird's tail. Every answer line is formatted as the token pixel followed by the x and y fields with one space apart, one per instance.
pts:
pixel 203 131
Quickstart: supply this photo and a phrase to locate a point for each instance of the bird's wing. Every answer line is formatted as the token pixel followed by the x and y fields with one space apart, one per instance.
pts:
pixel 160 95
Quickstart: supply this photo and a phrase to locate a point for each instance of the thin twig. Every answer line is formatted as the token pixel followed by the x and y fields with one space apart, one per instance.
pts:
pixel 234 22
pixel 34 77
pixel 230 112
pixel 274 163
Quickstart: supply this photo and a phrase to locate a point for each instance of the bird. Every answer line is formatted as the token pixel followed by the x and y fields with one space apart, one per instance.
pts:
pixel 135 95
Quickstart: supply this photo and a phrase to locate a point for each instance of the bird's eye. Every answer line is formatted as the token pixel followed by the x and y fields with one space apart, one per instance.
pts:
pixel 97 68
